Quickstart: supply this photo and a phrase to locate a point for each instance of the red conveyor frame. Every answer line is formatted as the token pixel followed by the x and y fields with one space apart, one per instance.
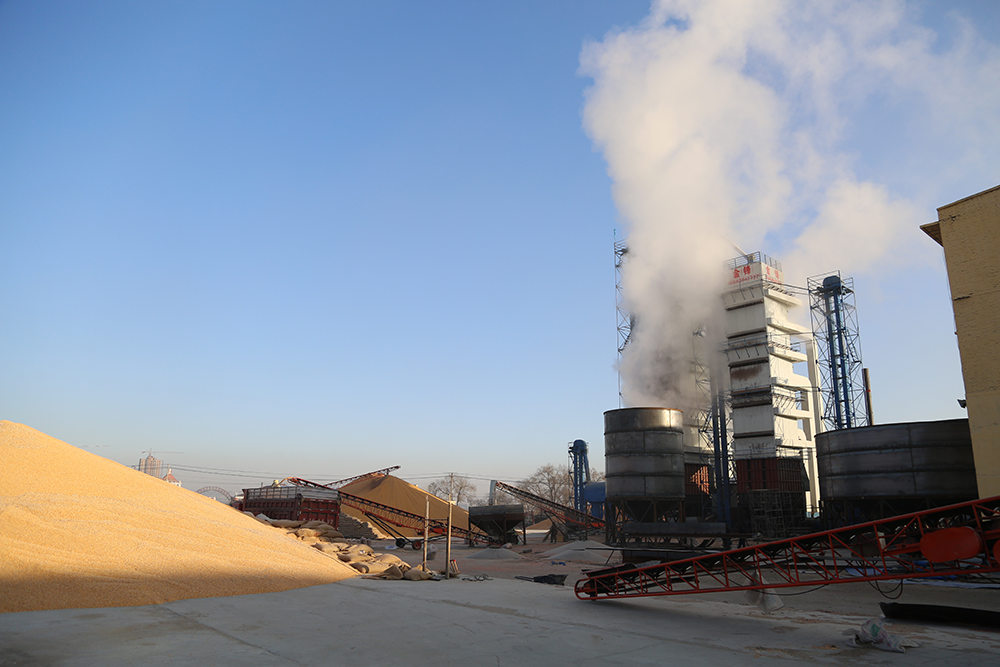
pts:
pixel 957 540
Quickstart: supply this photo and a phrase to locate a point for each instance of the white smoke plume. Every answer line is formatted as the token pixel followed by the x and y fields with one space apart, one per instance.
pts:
pixel 722 121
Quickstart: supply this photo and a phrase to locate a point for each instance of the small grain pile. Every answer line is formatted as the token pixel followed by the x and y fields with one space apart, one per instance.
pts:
pixel 586 551
pixel 79 531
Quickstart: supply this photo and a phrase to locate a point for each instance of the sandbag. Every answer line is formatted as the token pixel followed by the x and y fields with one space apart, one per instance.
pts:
pixel 393 573
pixel 353 557
pixel 389 559
pixel 360 549
pixel 321 526
pixel 307 533
pixel 416 574
pixel 376 567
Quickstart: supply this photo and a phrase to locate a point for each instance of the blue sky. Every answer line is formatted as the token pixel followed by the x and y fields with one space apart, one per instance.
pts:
pixel 320 238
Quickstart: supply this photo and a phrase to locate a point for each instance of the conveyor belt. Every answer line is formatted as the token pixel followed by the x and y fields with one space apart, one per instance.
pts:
pixel 397 517
pixel 568 515
pixel 957 540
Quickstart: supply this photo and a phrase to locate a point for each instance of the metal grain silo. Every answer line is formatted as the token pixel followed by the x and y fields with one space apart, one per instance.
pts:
pixel 879 471
pixel 644 463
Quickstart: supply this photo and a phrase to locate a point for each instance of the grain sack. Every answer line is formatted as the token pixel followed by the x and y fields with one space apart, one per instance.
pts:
pixel 285 523
pixel 416 574
pixel 363 549
pixel 389 559
pixel 393 573
pixel 348 557
pixel 374 567
pixel 307 533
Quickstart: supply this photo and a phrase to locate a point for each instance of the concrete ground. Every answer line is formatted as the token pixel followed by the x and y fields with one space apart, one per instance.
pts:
pixel 499 620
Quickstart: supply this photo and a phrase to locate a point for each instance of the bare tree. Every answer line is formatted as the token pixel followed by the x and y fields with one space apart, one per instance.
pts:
pixel 457 487
pixel 499 498
pixel 552 483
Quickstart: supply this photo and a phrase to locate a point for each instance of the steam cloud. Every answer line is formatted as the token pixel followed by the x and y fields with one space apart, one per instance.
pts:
pixel 725 120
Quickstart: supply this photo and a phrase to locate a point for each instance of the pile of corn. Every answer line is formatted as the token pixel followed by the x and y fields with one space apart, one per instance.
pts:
pixel 79 531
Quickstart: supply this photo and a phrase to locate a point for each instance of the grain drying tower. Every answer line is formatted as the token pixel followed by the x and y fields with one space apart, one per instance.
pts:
pixel 776 412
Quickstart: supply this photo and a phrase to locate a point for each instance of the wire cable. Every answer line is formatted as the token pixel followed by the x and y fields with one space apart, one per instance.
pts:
pixel 811 590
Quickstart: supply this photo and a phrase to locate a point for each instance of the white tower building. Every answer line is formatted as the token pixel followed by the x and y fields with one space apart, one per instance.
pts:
pixel 776 412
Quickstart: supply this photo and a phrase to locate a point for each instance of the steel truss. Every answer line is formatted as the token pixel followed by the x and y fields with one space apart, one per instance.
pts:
pixel 625 319
pixel 357 478
pixel 835 328
pixel 568 519
pixel 836 512
pixel 958 540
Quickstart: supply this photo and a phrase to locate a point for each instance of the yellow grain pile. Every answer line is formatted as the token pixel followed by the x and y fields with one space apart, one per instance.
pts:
pixel 77 531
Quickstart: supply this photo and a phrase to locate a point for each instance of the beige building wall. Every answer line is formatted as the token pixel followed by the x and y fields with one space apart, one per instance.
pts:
pixel 969 232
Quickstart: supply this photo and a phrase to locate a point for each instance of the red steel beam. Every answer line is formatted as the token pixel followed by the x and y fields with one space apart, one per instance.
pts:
pixel 959 539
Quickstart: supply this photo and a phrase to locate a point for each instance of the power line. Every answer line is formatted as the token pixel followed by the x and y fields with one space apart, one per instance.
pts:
pixel 236 473
pixel 228 472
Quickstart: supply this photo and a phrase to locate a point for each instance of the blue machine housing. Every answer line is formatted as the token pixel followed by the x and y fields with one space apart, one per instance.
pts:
pixel 588 497
pixel 594 494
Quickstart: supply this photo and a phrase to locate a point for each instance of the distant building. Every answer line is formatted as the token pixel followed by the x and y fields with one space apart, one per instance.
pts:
pixel 171 479
pixel 151 466
pixel 969 232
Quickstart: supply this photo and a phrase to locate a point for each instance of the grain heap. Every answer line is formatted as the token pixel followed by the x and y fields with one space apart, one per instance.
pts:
pixel 400 494
pixel 78 530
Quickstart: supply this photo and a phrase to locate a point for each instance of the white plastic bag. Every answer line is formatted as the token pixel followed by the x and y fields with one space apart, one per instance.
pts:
pixel 873 633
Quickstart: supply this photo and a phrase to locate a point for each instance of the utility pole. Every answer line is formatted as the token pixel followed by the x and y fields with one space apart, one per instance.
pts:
pixel 720 442
pixel 427 514
pixel 447 547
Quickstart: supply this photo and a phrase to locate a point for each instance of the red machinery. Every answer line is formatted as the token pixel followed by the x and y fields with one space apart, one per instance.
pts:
pixel 957 540
pixel 297 504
